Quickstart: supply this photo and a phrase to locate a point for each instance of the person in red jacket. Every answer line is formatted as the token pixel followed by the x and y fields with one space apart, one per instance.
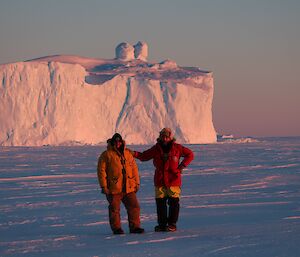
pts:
pixel 166 156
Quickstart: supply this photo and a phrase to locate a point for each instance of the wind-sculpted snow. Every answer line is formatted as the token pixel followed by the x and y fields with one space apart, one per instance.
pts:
pixel 67 100
pixel 237 200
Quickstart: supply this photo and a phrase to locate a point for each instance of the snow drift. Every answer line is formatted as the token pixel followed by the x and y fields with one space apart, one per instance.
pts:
pixel 61 100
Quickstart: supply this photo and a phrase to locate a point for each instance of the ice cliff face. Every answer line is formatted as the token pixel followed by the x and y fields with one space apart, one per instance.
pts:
pixel 63 100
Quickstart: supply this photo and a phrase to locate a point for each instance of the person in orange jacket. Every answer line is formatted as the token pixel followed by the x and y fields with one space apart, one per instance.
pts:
pixel 119 181
pixel 166 156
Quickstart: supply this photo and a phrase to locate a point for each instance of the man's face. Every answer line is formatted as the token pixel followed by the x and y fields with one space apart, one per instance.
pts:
pixel 118 143
pixel 165 139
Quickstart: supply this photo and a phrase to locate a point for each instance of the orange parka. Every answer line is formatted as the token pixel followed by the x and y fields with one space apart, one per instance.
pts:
pixel 118 172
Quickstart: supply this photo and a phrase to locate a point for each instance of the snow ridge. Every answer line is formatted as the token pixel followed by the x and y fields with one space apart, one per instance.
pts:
pixel 125 105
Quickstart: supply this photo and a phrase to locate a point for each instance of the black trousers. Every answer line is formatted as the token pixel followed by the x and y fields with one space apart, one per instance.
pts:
pixel 165 216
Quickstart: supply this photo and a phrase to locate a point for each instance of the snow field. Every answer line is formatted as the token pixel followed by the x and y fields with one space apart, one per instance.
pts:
pixel 237 200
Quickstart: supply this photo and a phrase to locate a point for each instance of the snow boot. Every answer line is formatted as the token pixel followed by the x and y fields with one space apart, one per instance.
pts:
pixel 137 230
pixel 171 228
pixel 118 231
pixel 159 228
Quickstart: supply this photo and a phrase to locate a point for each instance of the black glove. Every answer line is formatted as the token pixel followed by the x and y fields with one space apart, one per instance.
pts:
pixel 104 190
pixel 137 188
pixel 181 167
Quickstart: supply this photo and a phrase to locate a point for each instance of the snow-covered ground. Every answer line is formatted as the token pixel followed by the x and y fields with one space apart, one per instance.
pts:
pixel 238 200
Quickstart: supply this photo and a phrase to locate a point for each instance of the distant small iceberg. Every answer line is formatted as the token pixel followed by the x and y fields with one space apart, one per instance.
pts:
pixel 231 139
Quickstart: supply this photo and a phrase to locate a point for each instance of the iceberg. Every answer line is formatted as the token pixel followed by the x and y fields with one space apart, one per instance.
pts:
pixel 65 99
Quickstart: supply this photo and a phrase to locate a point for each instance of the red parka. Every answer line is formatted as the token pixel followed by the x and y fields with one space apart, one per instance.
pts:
pixel 167 170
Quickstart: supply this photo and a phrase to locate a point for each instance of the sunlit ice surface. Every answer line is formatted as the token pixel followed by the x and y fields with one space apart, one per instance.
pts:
pixel 238 199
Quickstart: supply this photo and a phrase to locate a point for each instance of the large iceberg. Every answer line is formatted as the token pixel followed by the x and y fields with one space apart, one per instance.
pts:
pixel 62 100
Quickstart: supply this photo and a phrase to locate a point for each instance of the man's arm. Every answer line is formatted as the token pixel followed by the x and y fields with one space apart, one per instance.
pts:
pixel 187 155
pixel 135 173
pixel 101 172
pixel 146 155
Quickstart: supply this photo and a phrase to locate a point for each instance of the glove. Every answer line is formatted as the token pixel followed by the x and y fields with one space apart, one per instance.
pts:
pixel 137 188
pixel 104 191
pixel 181 167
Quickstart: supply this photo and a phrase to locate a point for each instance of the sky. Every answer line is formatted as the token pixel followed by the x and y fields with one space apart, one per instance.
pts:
pixel 252 48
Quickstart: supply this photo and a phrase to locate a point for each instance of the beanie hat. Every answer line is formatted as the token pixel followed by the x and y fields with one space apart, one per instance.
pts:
pixel 166 132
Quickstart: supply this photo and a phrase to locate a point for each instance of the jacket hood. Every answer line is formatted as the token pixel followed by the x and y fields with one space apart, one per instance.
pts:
pixel 110 145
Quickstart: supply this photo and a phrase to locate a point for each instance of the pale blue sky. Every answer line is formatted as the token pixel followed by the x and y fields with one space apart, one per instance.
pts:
pixel 252 47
